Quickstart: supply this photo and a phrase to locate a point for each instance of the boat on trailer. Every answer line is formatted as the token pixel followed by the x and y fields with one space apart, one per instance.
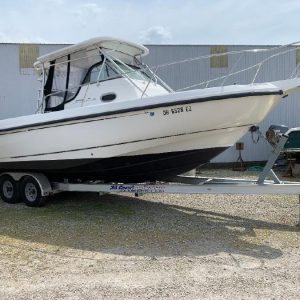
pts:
pixel 104 115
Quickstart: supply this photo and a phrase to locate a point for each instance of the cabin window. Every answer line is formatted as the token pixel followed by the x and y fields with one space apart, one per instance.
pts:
pixel 101 72
pixel 218 61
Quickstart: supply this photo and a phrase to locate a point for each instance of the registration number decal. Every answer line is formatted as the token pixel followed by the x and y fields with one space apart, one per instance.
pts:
pixel 177 110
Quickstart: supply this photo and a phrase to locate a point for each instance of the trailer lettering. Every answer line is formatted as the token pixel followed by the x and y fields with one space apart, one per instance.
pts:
pixel 123 188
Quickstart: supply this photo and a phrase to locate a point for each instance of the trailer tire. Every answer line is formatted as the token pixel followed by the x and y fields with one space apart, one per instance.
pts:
pixel 31 193
pixel 9 189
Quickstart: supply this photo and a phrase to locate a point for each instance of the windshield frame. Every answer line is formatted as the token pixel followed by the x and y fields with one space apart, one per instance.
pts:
pixel 85 80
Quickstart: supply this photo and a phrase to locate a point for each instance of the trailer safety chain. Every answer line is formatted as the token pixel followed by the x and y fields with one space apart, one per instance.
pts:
pixel 255 129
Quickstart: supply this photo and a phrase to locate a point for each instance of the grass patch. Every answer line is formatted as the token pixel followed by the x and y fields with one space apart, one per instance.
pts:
pixel 125 210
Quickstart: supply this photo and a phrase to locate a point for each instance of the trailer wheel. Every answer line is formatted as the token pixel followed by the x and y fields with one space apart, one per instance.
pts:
pixel 9 189
pixel 31 193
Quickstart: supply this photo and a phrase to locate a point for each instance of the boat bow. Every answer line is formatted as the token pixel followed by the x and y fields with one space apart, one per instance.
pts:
pixel 287 86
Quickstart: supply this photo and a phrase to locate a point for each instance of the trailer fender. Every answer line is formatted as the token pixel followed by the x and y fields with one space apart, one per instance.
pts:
pixel 41 179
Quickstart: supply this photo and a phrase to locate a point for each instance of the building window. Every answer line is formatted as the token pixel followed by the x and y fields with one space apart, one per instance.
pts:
pixel 298 57
pixel 28 53
pixel 220 61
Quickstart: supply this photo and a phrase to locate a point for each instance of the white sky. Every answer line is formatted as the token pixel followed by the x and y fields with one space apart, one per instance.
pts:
pixel 152 21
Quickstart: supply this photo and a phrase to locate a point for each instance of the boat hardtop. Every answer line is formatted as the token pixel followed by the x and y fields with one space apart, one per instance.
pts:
pixel 105 43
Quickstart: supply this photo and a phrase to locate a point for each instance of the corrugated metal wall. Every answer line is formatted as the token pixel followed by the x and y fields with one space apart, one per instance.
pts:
pixel 19 85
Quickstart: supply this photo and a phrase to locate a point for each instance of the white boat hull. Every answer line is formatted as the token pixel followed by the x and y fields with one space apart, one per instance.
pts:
pixel 190 127
pixel 184 135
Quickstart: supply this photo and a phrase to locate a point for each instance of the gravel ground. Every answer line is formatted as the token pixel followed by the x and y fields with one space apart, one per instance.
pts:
pixel 152 247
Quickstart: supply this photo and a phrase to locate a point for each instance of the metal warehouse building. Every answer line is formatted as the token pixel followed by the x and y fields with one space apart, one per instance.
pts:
pixel 19 87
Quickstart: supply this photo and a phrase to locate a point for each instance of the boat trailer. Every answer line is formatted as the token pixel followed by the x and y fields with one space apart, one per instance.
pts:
pixel 35 187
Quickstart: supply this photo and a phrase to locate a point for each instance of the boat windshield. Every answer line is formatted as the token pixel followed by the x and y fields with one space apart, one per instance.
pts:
pixel 132 72
pixel 106 70
pixel 100 72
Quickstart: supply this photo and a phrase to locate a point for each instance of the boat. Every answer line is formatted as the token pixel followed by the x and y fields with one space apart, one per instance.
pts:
pixel 293 142
pixel 105 115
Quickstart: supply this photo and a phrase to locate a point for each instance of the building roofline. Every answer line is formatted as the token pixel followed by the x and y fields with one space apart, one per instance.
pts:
pixel 24 43
pixel 163 45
